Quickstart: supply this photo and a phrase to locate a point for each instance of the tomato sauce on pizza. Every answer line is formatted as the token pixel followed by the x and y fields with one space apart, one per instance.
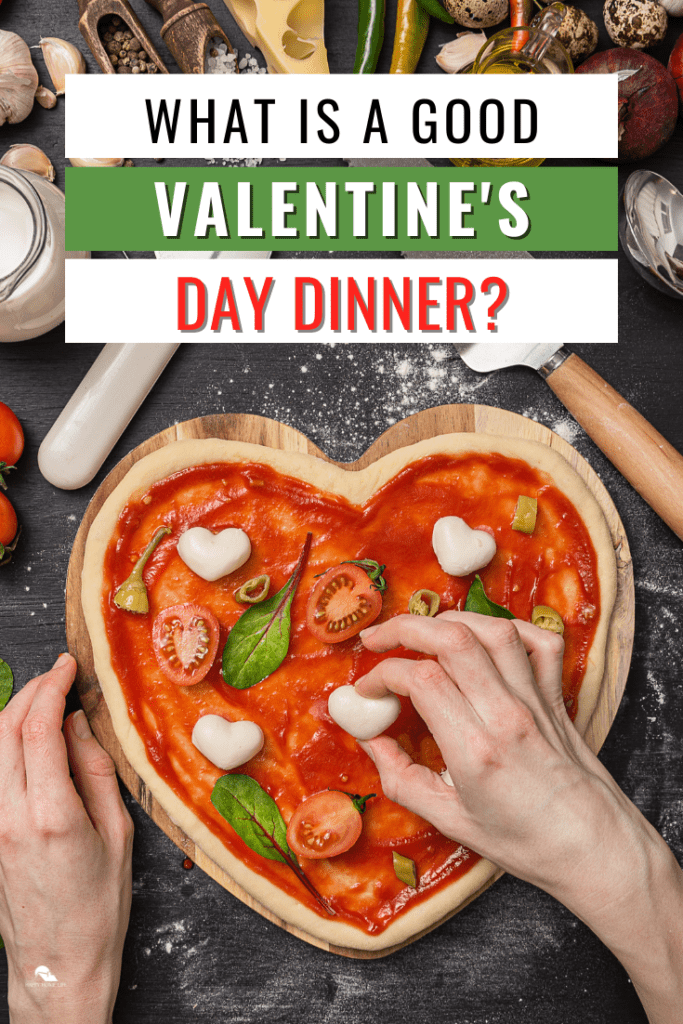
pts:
pixel 305 751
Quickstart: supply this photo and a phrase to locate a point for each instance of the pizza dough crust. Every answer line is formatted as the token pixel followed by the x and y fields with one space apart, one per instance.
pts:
pixel 265 897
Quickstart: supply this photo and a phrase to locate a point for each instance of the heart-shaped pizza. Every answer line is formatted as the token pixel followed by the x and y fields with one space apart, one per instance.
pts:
pixel 224 588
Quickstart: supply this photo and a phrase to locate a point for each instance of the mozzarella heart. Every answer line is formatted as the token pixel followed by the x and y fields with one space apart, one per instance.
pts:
pixel 212 555
pixel 227 744
pixel 362 717
pixel 459 549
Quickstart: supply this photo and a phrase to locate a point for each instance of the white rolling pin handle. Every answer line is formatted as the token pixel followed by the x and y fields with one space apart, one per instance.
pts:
pixel 99 411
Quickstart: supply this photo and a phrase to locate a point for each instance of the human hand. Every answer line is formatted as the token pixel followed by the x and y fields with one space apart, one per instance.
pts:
pixel 65 858
pixel 528 793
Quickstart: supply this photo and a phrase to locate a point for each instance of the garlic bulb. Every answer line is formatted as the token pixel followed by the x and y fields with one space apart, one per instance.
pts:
pixel 18 78
pixel 96 161
pixel 460 52
pixel 61 59
pixel 46 98
pixel 29 158
pixel 673 7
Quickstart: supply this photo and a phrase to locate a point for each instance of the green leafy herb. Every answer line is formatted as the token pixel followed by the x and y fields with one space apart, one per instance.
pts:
pixel 477 601
pixel 256 819
pixel 6 683
pixel 258 642
pixel 373 569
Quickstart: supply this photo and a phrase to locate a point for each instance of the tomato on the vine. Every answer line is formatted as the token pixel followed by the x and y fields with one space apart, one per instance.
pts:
pixel 11 439
pixel 346 599
pixel 326 824
pixel 185 639
pixel 8 521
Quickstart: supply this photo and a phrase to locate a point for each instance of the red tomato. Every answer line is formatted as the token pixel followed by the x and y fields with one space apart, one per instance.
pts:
pixel 8 521
pixel 326 824
pixel 11 436
pixel 185 642
pixel 343 601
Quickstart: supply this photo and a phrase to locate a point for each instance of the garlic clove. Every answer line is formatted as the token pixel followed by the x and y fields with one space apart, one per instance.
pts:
pixel 61 58
pixel 29 158
pixel 96 161
pixel 460 52
pixel 46 98
pixel 18 78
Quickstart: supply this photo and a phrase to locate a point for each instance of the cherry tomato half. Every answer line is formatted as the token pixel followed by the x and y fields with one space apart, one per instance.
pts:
pixel 11 436
pixel 343 601
pixel 185 640
pixel 326 824
pixel 8 521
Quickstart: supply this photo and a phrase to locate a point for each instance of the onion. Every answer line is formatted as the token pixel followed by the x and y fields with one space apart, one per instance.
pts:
pixel 648 100
pixel 675 66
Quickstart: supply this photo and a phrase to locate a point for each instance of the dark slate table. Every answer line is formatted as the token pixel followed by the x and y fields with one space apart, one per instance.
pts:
pixel 515 956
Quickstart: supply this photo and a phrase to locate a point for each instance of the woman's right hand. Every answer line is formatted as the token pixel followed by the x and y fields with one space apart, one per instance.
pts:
pixel 527 792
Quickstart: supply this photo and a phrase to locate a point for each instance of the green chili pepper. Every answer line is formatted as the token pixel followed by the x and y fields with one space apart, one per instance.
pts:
pixel 434 8
pixel 424 602
pixel 412 26
pixel 132 594
pixel 253 591
pixel 370 35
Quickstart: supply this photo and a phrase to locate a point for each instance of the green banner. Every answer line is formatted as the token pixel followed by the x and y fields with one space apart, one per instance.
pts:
pixel 342 209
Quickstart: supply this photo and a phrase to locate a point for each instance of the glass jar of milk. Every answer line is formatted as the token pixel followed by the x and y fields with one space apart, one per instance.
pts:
pixel 31 255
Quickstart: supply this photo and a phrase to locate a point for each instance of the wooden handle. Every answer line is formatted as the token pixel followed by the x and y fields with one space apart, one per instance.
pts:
pixel 188 29
pixel 640 453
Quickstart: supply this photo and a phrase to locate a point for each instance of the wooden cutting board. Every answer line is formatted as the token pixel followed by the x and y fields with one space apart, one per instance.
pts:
pixel 258 430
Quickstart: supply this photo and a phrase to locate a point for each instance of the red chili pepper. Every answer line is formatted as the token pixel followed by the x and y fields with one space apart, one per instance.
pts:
pixel 520 14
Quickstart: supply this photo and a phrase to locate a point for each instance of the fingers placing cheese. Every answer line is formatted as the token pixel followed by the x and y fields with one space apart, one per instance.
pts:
pixel 289 33
pixel 212 555
pixel 227 744
pixel 362 717
pixel 459 549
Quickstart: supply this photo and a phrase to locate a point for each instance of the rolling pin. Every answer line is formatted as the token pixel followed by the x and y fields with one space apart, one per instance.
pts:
pixel 99 411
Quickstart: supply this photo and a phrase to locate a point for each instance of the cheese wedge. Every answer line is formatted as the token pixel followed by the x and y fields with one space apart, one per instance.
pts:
pixel 289 33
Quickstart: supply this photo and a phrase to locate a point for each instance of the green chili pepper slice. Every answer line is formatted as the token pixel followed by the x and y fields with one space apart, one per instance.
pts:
pixel 253 591
pixel 404 869
pixel 546 617
pixel 370 35
pixel 525 514
pixel 424 602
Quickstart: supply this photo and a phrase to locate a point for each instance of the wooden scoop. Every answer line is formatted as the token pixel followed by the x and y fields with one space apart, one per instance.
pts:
pixel 188 30
pixel 92 12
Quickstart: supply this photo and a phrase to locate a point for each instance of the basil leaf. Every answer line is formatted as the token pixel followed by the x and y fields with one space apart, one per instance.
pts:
pixel 6 683
pixel 258 642
pixel 256 819
pixel 254 816
pixel 477 601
